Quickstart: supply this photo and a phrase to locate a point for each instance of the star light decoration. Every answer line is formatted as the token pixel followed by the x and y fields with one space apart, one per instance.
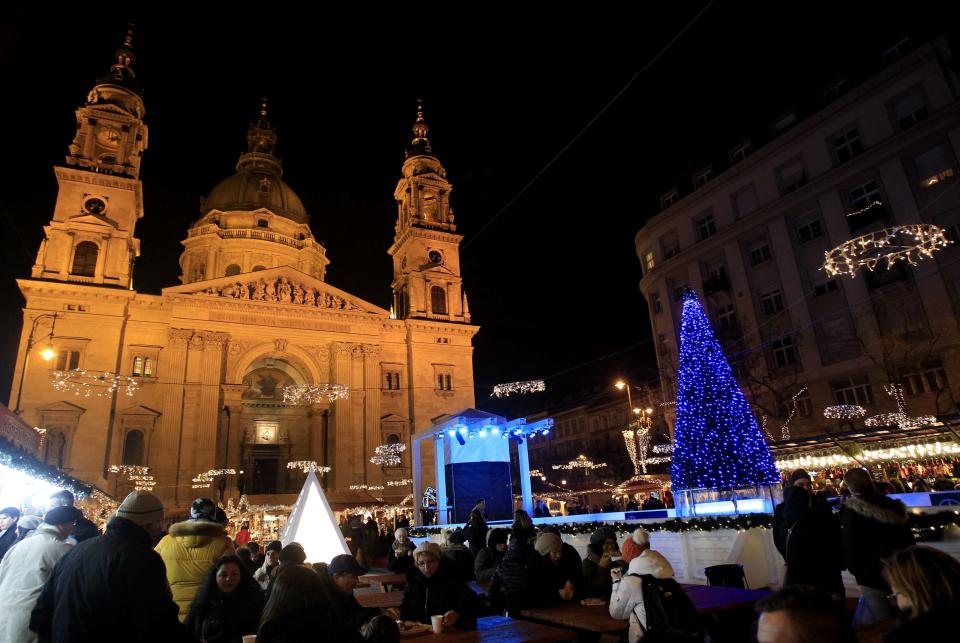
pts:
pixel 844 412
pixel 581 462
pixel 90 383
pixel 307 466
pixel 899 419
pixel 531 386
pixel 388 455
pixel 885 248
pixel 717 441
pixel 315 393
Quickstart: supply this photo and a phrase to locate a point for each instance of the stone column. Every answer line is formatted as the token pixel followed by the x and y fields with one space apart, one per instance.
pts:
pixel 208 413
pixel 341 421
pixel 165 458
pixel 371 409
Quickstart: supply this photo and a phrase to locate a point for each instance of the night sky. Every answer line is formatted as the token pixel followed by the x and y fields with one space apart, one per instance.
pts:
pixel 553 280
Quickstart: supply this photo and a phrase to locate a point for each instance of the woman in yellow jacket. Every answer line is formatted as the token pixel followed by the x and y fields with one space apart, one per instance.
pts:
pixel 190 548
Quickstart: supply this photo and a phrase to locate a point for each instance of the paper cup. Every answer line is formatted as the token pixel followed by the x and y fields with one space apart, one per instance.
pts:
pixel 437 623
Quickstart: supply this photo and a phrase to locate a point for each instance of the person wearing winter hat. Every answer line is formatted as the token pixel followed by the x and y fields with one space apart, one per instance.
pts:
pixel 635 545
pixel 457 552
pixel 553 580
pixel 190 548
pixel 485 564
pixel 400 555
pixel 111 584
pixel 271 560
pixel 84 528
pixel 26 568
pixel 626 598
pixel 27 525
pixel 434 588
pixel 600 558
pixel 340 579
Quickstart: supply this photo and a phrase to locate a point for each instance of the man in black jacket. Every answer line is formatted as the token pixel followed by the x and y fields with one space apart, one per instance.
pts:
pixel 112 587
pixel 9 517
pixel 874 527
pixel 84 529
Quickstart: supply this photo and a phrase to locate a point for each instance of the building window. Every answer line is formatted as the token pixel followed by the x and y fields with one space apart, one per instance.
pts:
pixel 232 269
pixel 133 448
pixel 669 199
pixel 809 231
pixel 909 110
pixel 392 381
pixel 68 360
pixel 741 152
pixel 852 391
pixel 138 365
pixel 55 449
pixel 929 377
pixel 791 176
pixel 444 382
pixel 933 167
pixel 85 259
pixel 771 301
pixel 804 405
pixel 262 223
pixel 701 179
pixel 655 303
pixel 864 195
pixel 828 286
pixel 678 292
pixel 258 268
pixel 759 253
pixel 727 316
pixel 670 245
pixel 745 201
pixel 148 367
pixel 649 260
pixel 706 227
pixel 438 300
pixel 847 145
pixel 784 352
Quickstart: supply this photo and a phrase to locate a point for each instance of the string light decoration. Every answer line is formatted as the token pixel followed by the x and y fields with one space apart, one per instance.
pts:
pixel 885 248
pixel 888 452
pixel 899 420
pixel 844 412
pixel 201 481
pixel 663 448
pixel 365 487
pixel 717 441
pixel 388 455
pixel 864 209
pixel 403 482
pixel 315 393
pixel 581 462
pixel 531 386
pixel 216 473
pixel 129 469
pixel 88 383
pixel 307 466
pixel 785 428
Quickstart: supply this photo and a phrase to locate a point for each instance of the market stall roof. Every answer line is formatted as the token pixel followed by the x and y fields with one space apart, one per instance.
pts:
pixel 865 437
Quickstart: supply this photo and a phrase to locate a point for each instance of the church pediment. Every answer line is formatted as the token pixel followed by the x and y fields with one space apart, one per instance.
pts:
pixel 90 219
pixel 441 269
pixel 63 407
pixel 110 108
pixel 284 286
pixel 140 410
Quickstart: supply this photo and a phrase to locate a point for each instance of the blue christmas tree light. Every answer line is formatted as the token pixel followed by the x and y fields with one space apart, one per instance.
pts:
pixel 717 443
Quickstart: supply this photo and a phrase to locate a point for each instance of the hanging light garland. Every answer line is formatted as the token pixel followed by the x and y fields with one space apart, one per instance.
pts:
pixel 785 429
pixel 89 383
pixel 663 448
pixel 844 412
pixel 366 487
pixel 201 481
pixel 388 455
pixel 215 473
pixel 531 386
pixel 899 420
pixel 129 469
pixel 582 463
pixel 537 473
pixel 307 466
pixel 885 248
pixel 864 209
pixel 889 452
pixel 404 482
pixel 315 393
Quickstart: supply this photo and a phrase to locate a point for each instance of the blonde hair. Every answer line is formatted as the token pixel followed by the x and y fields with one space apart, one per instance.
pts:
pixel 928 577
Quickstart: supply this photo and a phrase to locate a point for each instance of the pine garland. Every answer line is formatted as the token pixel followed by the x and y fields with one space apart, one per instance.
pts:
pixel 21 460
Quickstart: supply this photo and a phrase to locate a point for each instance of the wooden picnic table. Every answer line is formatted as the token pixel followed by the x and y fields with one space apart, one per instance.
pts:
pixel 382 580
pixel 596 618
pixel 500 629
pixel 382 600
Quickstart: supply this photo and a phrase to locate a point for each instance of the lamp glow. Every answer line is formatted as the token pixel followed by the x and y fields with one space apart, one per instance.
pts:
pixel 48 353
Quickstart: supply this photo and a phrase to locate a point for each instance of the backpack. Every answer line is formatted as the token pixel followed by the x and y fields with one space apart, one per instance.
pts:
pixel 671 616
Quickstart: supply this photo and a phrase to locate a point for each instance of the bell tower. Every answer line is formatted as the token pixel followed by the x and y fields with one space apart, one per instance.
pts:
pixel 90 238
pixel 426 247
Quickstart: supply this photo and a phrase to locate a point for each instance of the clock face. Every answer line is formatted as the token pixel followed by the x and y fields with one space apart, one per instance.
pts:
pixel 108 137
pixel 266 434
pixel 434 256
pixel 94 206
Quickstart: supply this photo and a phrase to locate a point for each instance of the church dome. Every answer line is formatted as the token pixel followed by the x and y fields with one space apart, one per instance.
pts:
pixel 257 183
pixel 251 189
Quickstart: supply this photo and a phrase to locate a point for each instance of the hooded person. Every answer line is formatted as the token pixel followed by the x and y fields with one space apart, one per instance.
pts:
pixel 601 551
pixel 626 598
pixel 190 548
pixel 400 555
pixel 27 525
pixel 485 564
pixel 271 560
pixel 25 569
pixel 113 585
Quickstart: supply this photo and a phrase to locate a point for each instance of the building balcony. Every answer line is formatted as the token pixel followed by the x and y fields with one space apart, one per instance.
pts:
pixel 262 235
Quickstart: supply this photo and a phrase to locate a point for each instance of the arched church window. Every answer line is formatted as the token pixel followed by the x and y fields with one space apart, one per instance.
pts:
pixel 138 365
pixel 438 300
pixel 262 223
pixel 148 367
pixel 258 268
pixel 133 448
pixel 85 259
pixel 55 449
pixel 393 438
pixel 232 269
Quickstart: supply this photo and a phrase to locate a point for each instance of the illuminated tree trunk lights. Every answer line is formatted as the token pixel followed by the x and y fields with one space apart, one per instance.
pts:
pixel 721 463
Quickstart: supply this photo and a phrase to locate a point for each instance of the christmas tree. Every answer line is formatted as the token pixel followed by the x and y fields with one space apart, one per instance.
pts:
pixel 717 443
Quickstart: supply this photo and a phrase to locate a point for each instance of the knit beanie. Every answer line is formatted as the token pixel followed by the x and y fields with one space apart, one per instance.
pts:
pixel 141 507
pixel 274 545
pixel 635 544
pixel 600 536
pixel 429 548
pixel 293 553
pixel 547 543
pixel 203 509
pixel 29 523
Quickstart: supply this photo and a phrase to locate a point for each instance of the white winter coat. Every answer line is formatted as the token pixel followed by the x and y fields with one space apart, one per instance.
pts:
pixel 626 600
pixel 23 572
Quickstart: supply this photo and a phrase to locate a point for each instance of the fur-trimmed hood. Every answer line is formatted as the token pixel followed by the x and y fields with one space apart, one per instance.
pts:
pixel 879 508
pixel 197 533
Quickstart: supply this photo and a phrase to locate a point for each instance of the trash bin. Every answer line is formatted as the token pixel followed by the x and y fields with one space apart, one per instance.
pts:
pixel 726 576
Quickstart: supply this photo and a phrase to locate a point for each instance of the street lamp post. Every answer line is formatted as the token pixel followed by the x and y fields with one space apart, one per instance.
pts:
pixel 48 352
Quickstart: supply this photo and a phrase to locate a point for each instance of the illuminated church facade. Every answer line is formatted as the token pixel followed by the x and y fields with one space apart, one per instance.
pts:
pixel 252 315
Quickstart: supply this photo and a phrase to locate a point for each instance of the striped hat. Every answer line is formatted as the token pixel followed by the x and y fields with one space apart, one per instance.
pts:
pixel 141 507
